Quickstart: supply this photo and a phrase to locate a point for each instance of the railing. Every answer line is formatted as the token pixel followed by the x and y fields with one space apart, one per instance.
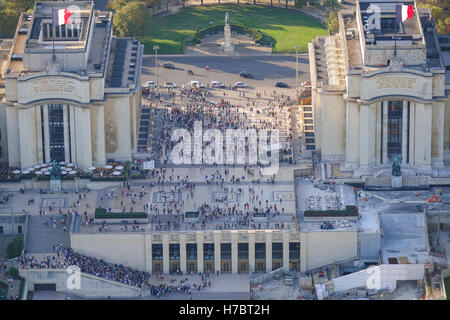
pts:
pixel 268 276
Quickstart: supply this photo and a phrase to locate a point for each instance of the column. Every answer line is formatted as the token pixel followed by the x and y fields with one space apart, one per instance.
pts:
pixel 200 252
pixel 148 252
pixel 165 243
pixel 367 136
pixel 412 133
pixel 183 252
pixel 423 138
pixel 72 133
pixel 13 135
pixel 83 137
pixel 46 135
pixel 437 142
pixel 286 250
pixel 66 134
pixel 268 251
pixel 39 137
pixel 98 129
pixel 405 132
pixel 234 253
pixel 27 131
pixel 385 105
pixel 217 252
pixel 352 136
pixel 378 135
pixel 251 252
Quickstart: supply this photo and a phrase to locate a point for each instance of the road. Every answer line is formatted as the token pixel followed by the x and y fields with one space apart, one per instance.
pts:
pixel 267 70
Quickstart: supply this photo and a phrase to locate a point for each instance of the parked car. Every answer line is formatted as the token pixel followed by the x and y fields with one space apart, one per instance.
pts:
pixel 195 83
pixel 240 84
pixel 150 84
pixel 246 74
pixel 281 85
pixel 168 65
pixel 217 84
pixel 170 85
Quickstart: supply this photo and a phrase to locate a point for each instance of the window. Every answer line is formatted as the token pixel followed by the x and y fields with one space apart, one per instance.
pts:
pixel 208 251
pixel 260 251
pixel 395 126
pixel 191 251
pixel 294 250
pixel 157 252
pixel 242 251
pixel 174 251
pixel 1 229
pixel 277 250
pixel 56 132
pixel 225 251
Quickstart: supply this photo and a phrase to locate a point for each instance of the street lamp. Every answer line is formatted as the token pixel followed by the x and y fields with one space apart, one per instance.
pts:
pixel 296 67
pixel 156 48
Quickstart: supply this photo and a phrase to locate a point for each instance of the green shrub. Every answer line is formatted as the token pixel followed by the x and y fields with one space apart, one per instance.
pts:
pixel 14 248
pixel 100 213
pixel 349 211
pixel 13 273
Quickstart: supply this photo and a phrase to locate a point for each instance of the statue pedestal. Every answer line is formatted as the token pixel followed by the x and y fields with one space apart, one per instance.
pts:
pixel 227 45
pixel 397 182
pixel 55 185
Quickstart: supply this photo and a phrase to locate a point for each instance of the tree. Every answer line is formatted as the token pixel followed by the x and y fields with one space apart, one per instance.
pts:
pixel 132 20
pixel 300 3
pixel 14 248
pixel 8 24
pixel 333 22
pixel 332 5
pixel 440 17
pixel 19 5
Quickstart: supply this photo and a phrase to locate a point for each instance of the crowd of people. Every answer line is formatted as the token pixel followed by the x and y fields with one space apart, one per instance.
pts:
pixel 65 257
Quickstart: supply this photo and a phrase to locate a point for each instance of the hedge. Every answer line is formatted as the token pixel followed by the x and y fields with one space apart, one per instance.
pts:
pixel 257 35
pixel 349 211
pixel 108 179
pixel 10 180
pixel 100 213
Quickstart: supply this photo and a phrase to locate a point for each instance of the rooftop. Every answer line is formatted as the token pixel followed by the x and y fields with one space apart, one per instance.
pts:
pixel 311 196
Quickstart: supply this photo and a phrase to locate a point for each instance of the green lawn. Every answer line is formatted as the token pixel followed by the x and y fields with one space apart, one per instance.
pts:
pixel 286 27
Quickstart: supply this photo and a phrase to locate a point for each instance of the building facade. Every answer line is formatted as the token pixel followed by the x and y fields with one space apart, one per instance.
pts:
pixel 72 92
pixel 232 251
pixel 379 90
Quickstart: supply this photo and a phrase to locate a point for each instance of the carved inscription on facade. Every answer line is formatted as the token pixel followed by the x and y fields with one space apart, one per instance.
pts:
pixel 395 82
pixel 54 85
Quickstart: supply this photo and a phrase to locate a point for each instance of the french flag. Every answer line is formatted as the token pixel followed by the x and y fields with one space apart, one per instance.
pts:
pixel 404 12
pixel 61 16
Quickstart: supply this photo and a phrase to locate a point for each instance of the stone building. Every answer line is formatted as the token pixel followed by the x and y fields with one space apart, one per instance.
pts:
pixel 380 90
pixel 72 92
pixel 232 251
